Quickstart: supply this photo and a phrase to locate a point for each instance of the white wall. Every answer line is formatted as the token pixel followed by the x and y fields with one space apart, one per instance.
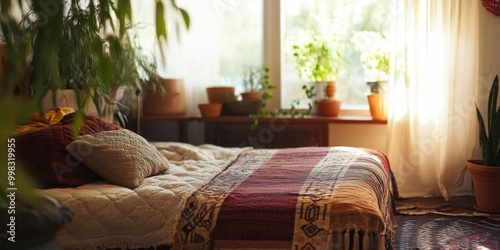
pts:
pixel 372 136
pixel 489 44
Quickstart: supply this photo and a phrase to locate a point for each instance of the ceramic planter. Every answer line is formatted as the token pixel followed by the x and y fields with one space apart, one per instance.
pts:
pixel 378 106
pixel 330 89
pixel 328 107
pixel 220 94
pixel 254 95
pixel 486 182
pixel 210 109
pixel 173 102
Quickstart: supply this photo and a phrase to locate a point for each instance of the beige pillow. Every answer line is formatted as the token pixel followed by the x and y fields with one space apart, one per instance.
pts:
pixel 120 156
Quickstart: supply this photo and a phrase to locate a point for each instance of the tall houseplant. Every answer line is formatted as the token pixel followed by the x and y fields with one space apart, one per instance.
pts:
pixel 43 49
pixel 486 173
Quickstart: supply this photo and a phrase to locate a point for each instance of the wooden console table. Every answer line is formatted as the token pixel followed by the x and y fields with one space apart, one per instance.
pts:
pixel 278 132
pixel 181 121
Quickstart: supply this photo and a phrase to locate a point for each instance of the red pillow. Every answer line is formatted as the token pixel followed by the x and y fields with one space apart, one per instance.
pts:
pixel 44 156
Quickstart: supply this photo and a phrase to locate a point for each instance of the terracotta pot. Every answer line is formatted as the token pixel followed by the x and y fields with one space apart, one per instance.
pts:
pixel 328 107
pixel 254 95
pixel 378 106
pixel 486 182
pixel 220 94
pixel 172 103
pixel 210 109
pixel 330 89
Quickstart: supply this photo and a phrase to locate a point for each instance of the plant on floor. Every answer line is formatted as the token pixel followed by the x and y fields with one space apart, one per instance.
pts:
pixel 44 65
pixel 486 173
pixel 489 134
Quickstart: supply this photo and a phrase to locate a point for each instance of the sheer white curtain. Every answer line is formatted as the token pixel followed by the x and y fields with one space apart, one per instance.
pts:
pixel 432 119
pixel 192 55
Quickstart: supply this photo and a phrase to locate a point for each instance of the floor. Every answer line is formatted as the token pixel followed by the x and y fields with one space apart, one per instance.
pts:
pixel 433 223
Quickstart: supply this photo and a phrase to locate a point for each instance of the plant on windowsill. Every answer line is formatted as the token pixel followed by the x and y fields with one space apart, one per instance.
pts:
pixel 318 61
pixel 256 83
pixel 486 173
pixel 375 56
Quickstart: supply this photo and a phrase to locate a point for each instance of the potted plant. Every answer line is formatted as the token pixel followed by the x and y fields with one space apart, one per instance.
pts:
pixel 220 94
pixel 88 63
pixel 135 70
pixel 486 172
pixel 256 92
pixel 44 67
pixel 256 83
pixel 375 56
pixel 318 61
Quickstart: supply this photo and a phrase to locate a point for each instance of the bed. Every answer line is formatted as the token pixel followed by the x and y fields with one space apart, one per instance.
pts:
pixel 209 197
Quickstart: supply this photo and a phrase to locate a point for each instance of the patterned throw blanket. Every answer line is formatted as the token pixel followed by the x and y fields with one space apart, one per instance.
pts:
pixel 302 198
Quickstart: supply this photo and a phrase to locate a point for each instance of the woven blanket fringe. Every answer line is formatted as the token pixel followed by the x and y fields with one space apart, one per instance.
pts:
pixel 356 239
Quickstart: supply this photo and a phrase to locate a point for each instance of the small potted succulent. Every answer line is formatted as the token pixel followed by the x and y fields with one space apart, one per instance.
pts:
pixel 375 56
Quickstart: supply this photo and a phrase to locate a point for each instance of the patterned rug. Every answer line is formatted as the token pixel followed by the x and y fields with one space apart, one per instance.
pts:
pixel 455 206
pixel 432 231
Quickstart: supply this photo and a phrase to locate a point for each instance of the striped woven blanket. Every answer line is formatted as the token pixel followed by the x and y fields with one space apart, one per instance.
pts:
pixel 299 198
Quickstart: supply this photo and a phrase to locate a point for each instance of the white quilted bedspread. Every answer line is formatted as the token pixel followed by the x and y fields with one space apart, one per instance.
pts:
pixel 111 216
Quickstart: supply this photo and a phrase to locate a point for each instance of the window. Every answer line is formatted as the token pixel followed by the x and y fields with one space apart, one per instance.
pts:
pixel 241 30
pixel 335 21
pixel 228 36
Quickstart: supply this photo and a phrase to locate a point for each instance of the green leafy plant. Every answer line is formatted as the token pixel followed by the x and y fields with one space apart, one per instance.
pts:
pixel 256 79
pixel 489 136
pixel 133 69
pixel 43 49
pixel 375 56
pixel 316 60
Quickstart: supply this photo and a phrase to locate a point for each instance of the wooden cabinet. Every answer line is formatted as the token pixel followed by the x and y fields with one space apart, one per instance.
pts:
pixel 283 132
pixel 236 131
pixel 270 133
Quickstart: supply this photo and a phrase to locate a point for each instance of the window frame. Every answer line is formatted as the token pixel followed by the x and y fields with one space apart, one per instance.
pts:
pixel 273 57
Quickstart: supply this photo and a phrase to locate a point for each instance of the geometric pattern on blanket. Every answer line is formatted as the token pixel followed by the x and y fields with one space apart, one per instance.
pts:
pixel 339 198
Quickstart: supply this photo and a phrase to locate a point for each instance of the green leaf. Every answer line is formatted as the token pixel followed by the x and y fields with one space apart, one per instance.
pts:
pixel 161 23
pixel 185 17
pixel 77 122
pixel 483 137
pixel 266 96
pixel 5 6
pixel 492 103
pixel 494 139
pixel 124 13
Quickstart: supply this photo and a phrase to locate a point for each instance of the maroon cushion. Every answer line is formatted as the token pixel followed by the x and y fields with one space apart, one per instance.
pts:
pixel 45 158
